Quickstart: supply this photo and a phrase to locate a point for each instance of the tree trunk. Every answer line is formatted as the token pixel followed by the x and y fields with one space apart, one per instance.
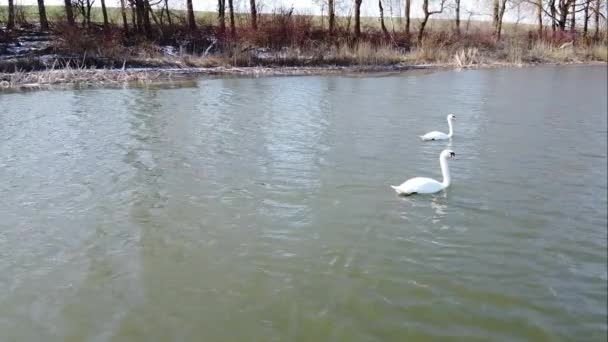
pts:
pixel 11 15
pixel 69 12
pixel 408 5
pixel 586 21
pixel 457 10
pixel 332 16
pixel 88 14
pixel 540 18
pixel 553 14
pixel 221 15
pixel 495 14
pixel 596 35
pixel 358 18
pixel 134 18
pixel 501 14
pixel 169 20
pixel 138 15
pixel 232 24
pixel 143 17
pixel 498 12
pixel 104 11
pixel 387 36
pixel 422 26
pixel 44 23
pixel 563 18
pixel 425 10
pixel 123 12
pixel 254 15
pixel 146 15
pixel 573 20
pixel 191 20
pixel 149 13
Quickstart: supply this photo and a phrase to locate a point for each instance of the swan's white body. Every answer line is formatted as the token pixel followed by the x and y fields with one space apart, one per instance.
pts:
pixel 423 185
pixel 439 135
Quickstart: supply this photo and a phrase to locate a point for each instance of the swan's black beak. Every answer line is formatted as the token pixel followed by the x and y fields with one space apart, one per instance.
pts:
pixel 452 155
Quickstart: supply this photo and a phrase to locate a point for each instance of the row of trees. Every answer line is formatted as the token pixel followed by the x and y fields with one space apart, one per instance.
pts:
pixel 560 15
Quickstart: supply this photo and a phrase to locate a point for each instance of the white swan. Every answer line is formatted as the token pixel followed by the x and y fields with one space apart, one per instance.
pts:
pixel 422 185
pixel 439 135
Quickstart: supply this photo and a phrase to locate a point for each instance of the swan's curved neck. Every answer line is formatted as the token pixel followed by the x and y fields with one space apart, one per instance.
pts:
pixel 451 130
pixel 445 171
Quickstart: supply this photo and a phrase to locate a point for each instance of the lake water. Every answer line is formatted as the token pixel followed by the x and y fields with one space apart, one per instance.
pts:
pixel 260 210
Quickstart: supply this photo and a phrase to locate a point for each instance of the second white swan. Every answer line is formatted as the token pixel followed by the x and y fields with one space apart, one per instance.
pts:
pixel 423 185
pixel 439 135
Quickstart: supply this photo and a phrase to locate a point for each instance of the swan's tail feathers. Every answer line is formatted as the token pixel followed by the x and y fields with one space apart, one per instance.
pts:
pixel 396 188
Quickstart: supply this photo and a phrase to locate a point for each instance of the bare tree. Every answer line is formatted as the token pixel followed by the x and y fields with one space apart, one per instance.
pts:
pixel 134 15
pixel 191 21
pixel 254 14
pixel 11 15
pixel 166 9
pixel 84 7
pixel 553 14
pixel 559 10
pixel 221 15
pixel 104 11
pixel 123 12
pixel 358 18
pixel 69 12
pixel 596 34
pixel 408 5
pixel 232 24
pixel 573 20
pixel 141 16
pixel 391 12
pixel 427 15
pixel 519 11
pixel 498 12
pixel 143 11
pixel 387 36
pixel 495 10
pixel 470 14
pixel 586 18
pixel 332 16
pixel 540 17
pixel 44 23
pixel 457 10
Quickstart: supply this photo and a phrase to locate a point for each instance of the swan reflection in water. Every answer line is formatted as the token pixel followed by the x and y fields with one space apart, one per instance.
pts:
pixel 419 207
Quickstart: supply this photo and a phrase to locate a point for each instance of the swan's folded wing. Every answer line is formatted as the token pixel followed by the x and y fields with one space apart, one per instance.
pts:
pixel 433 135
pixel 417 184
pixel 418 181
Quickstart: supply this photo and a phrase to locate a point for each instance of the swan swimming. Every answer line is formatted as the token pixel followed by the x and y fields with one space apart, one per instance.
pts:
pixel 423 185
pixel 439 135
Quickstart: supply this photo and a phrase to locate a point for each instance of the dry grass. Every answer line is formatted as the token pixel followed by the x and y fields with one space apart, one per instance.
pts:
pixel 365 53
pixel 69 75
pixel 598 53
pixel 287 39
pixel 466 58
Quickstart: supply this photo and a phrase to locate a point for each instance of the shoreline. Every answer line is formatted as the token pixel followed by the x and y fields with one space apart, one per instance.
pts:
pixel 87 77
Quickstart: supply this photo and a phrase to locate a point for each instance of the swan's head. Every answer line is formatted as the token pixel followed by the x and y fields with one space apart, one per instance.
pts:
pixel 448 154
pixel 451 117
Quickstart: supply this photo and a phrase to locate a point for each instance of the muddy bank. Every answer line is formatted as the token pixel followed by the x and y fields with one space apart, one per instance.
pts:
pixel 87 77
pixel 108 77
pixel 28 59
